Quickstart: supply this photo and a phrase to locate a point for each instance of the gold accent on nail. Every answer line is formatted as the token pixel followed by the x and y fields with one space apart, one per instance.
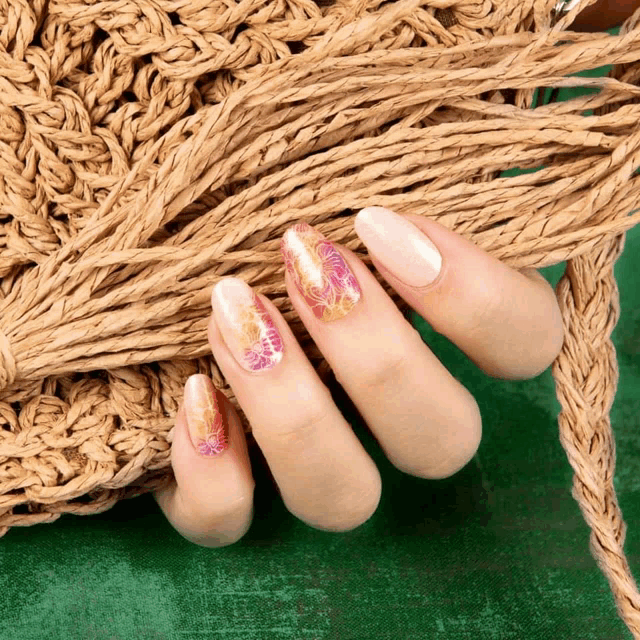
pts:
pixel 320 273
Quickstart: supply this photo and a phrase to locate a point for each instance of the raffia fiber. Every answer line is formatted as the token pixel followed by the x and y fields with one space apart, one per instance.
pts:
pixel 150 147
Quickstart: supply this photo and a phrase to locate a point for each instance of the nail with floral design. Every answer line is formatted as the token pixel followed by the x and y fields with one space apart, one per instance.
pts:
pixel 320 273
pixel 204 418
pixel 246 326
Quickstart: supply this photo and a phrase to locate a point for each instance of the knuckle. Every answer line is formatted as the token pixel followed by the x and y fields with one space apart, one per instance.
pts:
pixel 489 306
pixel 357 508
pixel 239 504
pixel 386 369
pixel 555 337
pixel 551 328
pixel 214 541
pixel 456 460
pixel 207 512
pixel 349 508
pixel 299 428
pixel 338 501
pixel 544 343
pixel 217 539
pixel 447 458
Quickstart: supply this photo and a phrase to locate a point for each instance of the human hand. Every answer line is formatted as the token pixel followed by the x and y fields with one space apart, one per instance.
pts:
pixel 506 321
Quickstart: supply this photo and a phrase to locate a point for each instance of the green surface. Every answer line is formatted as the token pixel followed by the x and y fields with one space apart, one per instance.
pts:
pixel 499 551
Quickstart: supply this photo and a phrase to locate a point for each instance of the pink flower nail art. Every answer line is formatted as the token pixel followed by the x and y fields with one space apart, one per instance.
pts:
pixel 320 272
pixel 259 338
pixel 247 327
pixel 204 418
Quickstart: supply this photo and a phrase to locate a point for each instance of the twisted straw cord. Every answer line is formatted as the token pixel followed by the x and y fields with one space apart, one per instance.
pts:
pixel 586 376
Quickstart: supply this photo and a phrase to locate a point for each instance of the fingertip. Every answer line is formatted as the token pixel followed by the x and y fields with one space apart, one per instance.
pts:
pixel 211 501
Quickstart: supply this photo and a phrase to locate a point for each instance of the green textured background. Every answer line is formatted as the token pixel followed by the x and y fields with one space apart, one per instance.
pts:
pixel 499 551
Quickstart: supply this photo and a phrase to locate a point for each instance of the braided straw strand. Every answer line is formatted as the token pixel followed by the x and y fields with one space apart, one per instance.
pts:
pixel 588 297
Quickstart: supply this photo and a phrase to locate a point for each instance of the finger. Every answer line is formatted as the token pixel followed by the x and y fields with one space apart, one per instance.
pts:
pixel 211 502
pixel 325 476
pixel 508 322
pixel 427 423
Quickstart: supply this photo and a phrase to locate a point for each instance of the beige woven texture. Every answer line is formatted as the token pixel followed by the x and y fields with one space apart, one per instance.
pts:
pixel 150 147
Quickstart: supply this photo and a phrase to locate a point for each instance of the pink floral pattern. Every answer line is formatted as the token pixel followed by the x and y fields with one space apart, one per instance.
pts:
pixel 204 418
pixel 266 350
pixel 215 439
pixel 319 272
pixel 259 344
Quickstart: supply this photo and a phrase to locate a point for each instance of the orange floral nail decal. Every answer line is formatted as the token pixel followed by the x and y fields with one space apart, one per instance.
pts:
pixel 320 272
pixel 204 418
pixel 247 327
pixel 258 337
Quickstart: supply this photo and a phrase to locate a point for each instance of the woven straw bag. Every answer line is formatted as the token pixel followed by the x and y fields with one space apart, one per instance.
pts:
pixel 150 147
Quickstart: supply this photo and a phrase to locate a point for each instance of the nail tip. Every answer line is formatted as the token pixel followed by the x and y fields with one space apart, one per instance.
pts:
pixel 297 226
pixel 232 281
pixel 198 378
pixel 367 218
pixel 230 288
pixel 367 211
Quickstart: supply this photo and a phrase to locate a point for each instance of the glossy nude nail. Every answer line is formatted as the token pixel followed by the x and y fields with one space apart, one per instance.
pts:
pixel 399 245
pixel 204 418
pixel 246 326
pixel 319 272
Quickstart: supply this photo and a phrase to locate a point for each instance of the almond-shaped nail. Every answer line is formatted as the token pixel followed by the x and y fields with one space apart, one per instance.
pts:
pixel 246 326
pixel 320 273
pixel 399 245
pixel 204 418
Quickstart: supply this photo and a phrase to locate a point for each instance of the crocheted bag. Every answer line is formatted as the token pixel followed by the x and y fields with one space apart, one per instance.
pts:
pixel 146 142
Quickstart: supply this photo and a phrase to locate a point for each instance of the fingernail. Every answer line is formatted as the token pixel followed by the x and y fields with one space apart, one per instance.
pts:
pixel 399 245
pixel 246 326
pixel 319 272
pixel 204 418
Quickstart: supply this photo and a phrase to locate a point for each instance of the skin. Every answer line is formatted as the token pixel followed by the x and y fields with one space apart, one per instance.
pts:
pixel 426 422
